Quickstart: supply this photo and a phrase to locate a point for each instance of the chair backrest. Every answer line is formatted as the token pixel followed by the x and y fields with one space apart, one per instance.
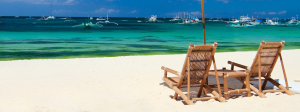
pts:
pixel 200 59
pixel 268 52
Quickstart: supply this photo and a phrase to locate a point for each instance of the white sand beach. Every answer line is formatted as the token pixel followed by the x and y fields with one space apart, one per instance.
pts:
pixel 131 83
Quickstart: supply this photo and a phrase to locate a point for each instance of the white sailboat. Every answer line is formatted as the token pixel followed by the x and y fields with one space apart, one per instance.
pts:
pixel 51 17
pixel 88 25
pixel 107 22
pixel 177 18
pixel 100 19
pixel 292 22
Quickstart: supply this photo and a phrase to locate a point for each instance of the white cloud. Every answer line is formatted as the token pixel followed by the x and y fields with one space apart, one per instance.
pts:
pixel 182 13
pixel 224 1
pixel 104 10
pixel 133 11
pixel 269 13
pixel 58 2
pixel 272 13
pixel 282 12
pixel 61 11
pixel 260 13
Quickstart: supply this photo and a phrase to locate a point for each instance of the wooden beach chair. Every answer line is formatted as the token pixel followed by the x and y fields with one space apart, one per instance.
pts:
pixel 194 73
pixel 262 67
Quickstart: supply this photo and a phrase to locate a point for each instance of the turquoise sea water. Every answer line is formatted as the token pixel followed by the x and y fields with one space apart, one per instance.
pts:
pixel 21 39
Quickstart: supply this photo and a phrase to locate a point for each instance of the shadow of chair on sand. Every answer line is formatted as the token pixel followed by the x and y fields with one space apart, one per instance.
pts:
pixel 236 84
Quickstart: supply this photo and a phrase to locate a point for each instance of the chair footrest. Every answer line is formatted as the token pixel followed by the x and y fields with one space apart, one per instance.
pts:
pixel 237 91
pixel 266 91
pixel 205 98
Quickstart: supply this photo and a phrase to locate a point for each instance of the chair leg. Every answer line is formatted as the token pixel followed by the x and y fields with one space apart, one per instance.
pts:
pixel 225 88
pixel 205 91
pixel 281 87
pixel 248 85
pixel 201 87
pixel 265 82
pixel 260 94
pixel 175 96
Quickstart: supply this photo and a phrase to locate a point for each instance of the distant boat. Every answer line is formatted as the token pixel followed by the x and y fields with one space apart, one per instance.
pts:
pixel 240 25
pixel 69 20
pixel 271 22
pixel 153 18
pixel 107 22
pixel 177 18
pixel 42 19
pixel 88 24
pixel 100 19
pixel 139 21
pixel 292 22
pixel 91 18
pixel 51 17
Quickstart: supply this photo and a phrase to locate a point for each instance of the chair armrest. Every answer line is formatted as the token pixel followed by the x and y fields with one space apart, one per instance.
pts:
pixel 170 70
pixel 238 65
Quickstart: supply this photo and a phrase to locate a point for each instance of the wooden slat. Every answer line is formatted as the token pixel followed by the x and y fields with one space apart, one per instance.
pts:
pixel 263 50
pixel 266 65
pixel 204 98
pixel 267 56
pixel 263 74
pixel 199 60
pixel 270 44
pixel 203 46
pixel 266 91
pixel 200 51
pixel 197 70
pixel 271 47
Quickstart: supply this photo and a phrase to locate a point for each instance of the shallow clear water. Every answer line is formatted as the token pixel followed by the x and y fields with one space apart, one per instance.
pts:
pixel 21 39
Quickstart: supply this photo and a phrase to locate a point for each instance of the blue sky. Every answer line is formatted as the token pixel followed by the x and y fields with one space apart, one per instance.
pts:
pixel 146 8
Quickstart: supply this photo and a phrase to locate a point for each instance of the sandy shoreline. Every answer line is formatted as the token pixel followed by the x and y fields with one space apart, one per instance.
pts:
pixel 131 83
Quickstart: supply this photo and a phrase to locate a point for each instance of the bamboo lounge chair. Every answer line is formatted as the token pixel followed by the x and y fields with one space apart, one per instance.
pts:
pixel 194 73
pixel 265 59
